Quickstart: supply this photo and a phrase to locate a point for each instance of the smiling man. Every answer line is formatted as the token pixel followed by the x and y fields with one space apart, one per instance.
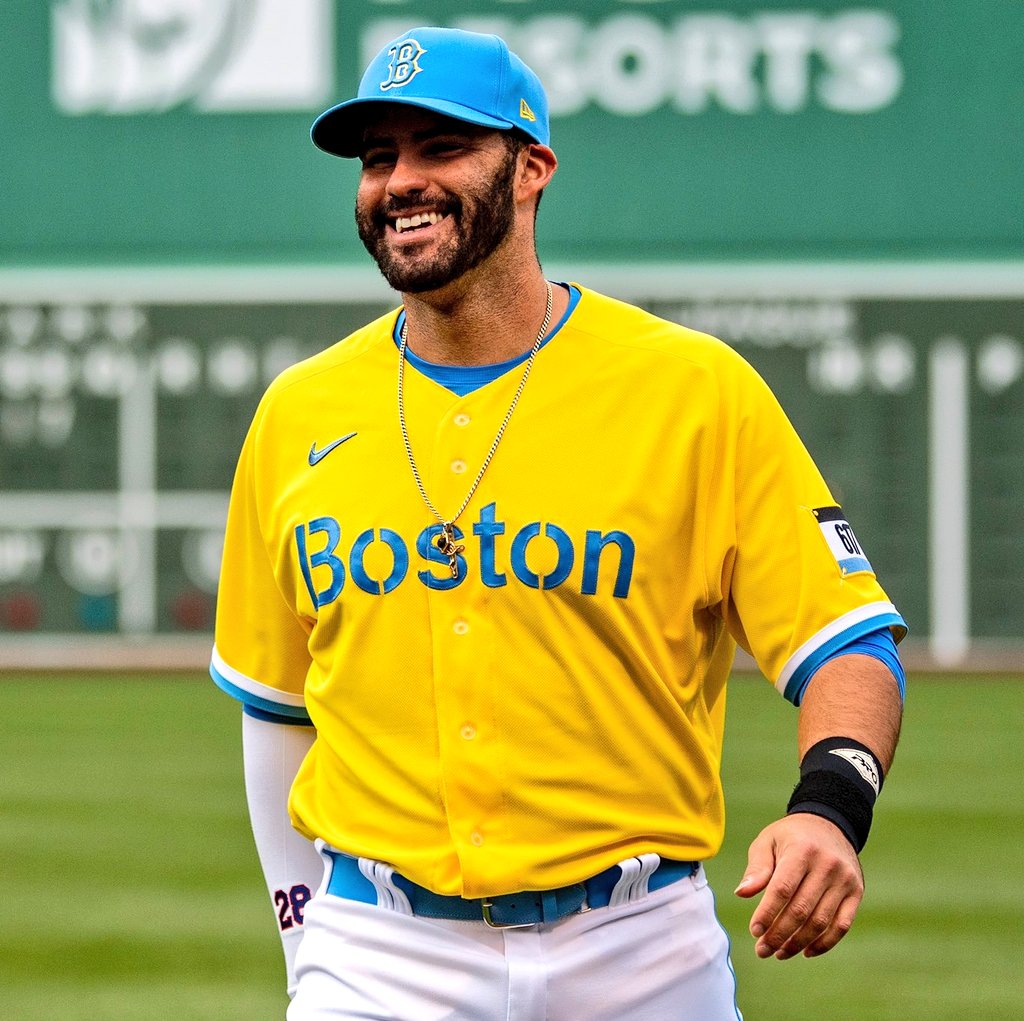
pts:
pixel 424 231
pixel 487 563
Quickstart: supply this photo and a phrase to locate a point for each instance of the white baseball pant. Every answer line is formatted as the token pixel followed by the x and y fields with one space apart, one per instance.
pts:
pixel 660 956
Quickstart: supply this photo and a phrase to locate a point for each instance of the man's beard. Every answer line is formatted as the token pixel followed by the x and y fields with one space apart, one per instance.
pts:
pixel 480 221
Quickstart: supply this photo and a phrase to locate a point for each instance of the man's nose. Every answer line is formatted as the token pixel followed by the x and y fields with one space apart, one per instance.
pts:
pixel 407 177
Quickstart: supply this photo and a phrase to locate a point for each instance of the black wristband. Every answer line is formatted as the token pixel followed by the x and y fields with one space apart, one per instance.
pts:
pixel 839 780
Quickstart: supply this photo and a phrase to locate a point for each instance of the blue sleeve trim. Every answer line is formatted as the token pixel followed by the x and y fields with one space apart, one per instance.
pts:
pixel 870 638
pixel 880 645
pixel 293 712
pixel 262 714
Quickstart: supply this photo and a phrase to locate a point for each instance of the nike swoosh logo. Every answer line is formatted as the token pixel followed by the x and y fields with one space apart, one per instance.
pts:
pixel 316 456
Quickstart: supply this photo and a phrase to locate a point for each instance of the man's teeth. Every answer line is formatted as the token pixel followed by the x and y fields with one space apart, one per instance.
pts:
pixel 404 223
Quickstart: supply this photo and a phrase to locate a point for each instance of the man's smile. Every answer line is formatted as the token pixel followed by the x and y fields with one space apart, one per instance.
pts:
pixel 402 224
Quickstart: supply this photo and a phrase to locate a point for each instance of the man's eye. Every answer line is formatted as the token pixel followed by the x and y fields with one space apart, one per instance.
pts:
pixel 445 148
pixel 378 158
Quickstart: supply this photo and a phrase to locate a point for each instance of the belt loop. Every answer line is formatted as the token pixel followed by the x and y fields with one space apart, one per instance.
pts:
pixel 623 888
pixel 648 866
pixel 548 905
pixel 636 873
pixel 389 896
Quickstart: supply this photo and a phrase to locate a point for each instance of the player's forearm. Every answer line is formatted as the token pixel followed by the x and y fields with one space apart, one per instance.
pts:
pixel 291 865
pixel 810 874
pixel 853 696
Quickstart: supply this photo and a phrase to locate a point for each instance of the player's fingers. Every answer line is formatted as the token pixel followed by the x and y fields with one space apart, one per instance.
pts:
pixel 786 914
pixel 839 927
pixel 786 868
pixel 768 924
pixel 818 923
pixel 806 889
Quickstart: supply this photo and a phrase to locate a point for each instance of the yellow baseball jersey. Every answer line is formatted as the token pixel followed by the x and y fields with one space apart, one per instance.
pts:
pixel 559 705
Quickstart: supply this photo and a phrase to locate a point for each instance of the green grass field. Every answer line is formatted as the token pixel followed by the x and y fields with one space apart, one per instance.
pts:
pixel 132 889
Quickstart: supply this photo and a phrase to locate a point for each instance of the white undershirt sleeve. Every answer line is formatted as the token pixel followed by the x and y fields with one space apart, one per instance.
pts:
pixel 292 867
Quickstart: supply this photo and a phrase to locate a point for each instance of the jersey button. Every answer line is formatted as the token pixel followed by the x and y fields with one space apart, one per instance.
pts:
pixel 461 419
pixel 468 732
pixel 459 466
pixel 460 627
pixel 476 838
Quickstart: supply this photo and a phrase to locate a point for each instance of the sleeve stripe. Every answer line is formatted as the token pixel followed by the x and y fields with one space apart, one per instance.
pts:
pixel 261 714
pixel 856 639
pixel 251 692
pixel 850 625
pixel 851 565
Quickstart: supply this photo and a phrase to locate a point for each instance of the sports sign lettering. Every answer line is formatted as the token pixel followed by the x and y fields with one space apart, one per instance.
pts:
pixel 846 105
pixel 630 63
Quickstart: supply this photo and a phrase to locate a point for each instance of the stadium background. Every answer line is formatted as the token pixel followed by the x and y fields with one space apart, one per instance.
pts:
pixel 835 188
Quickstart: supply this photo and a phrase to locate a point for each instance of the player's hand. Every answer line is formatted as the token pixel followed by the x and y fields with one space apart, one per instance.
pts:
pixel 812 882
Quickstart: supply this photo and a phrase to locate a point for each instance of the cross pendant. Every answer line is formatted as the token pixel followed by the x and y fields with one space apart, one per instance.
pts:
pixel 446 544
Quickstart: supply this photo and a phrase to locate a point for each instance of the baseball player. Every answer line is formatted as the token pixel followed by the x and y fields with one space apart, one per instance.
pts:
pixel 487 562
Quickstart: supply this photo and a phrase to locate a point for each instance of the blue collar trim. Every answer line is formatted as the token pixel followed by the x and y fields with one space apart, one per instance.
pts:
pixel 464 379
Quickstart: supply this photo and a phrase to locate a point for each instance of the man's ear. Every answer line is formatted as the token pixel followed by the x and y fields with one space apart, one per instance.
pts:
pixel 538 168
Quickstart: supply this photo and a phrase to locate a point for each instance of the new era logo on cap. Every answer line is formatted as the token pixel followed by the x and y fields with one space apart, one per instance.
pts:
pixel 468 76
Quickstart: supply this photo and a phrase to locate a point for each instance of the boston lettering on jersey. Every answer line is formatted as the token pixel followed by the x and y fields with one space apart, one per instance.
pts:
pixel 319 545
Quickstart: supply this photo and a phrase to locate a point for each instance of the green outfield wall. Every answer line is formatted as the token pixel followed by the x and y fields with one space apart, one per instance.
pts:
pixel 120 422
pixel 149 132
pixel 835 188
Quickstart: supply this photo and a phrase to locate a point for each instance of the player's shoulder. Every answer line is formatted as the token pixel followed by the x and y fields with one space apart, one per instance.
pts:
pixel 362 353
pixel 619 324
pixel 346 352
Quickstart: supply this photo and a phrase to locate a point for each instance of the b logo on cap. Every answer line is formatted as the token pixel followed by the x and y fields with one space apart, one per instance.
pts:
pixel 404 64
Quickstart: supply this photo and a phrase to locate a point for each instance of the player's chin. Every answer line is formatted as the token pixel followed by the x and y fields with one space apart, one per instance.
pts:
pixel 411 248
pixel 420 268
pixel 416 276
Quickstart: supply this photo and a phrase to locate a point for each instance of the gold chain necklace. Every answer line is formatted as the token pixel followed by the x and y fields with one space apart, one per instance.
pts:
pixel 445 542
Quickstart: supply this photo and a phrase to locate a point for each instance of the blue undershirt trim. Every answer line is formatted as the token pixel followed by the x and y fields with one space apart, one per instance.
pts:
pixel 295 714
pixel 464 379
pixel 260 714
pixel 870 638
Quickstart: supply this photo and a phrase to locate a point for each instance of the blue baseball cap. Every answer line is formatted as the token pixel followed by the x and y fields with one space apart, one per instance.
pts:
pixel 465 75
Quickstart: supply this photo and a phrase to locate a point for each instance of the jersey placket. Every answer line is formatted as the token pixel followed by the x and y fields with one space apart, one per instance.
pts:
pixel 468 740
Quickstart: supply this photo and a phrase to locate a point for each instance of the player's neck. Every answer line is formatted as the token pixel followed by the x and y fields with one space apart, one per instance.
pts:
pixel 481 321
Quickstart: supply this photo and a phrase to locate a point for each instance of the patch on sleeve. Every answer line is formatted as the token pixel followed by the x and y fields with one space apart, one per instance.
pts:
pixel 841 541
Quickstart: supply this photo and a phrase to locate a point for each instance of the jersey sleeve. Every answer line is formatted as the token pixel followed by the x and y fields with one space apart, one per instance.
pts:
pixel 260 654
pixel 795 582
